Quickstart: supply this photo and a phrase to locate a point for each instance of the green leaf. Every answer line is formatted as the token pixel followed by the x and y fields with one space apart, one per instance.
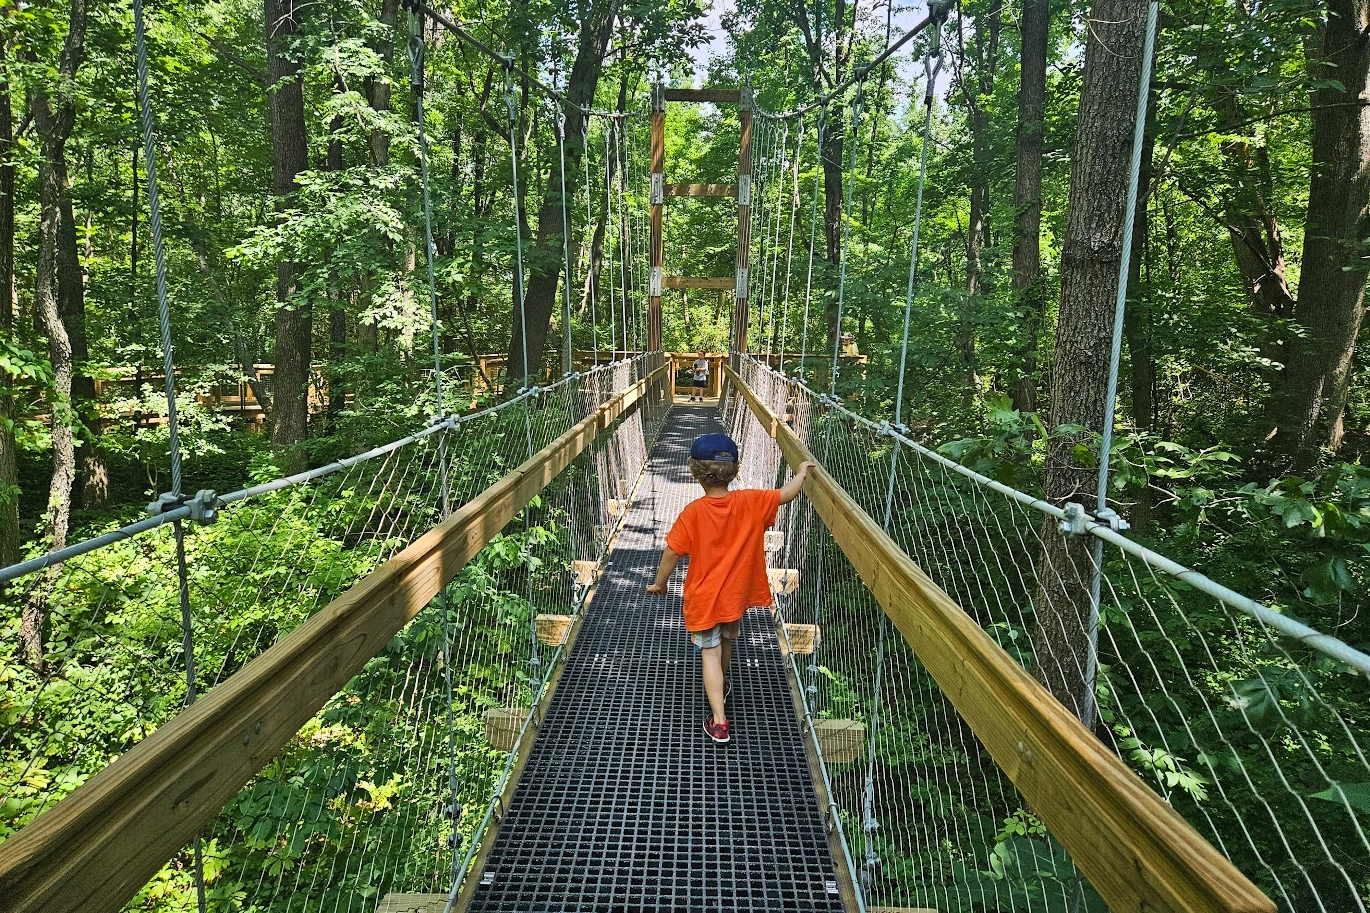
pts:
pixel 1356 795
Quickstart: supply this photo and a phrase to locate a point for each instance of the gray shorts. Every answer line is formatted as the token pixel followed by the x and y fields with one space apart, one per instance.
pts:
pixel 713 637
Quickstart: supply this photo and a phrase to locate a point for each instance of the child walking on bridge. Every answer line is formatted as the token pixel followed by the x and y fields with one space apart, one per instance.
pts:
pixel 724 535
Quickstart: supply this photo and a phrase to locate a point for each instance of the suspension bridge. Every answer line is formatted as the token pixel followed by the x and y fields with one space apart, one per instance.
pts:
pixel 426 677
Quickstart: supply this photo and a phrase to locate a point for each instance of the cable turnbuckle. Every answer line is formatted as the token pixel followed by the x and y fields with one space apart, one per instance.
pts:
pixel 1076 520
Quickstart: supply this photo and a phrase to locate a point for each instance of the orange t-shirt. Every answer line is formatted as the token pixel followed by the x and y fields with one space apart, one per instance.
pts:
pixel 725 539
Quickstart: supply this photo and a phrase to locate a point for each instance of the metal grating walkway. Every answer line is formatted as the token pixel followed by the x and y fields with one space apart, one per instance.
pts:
pixel 625 804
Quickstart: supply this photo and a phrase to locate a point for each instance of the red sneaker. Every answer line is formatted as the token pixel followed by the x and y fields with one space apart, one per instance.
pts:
pixel 719 732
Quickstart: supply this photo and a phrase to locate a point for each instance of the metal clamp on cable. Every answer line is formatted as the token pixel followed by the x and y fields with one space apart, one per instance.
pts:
pixel 203 507
pixel 1076 520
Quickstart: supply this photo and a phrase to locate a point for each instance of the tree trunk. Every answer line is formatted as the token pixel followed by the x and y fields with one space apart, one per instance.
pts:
pixel 53 124
pixel 294 337
pixel 1311 395
pixel 544 260
pixel 1249 215
pixel 1027 196
pixel 93 477
pixel 378 90
pixel 9 466
pixel 1089 284
pixel 987 26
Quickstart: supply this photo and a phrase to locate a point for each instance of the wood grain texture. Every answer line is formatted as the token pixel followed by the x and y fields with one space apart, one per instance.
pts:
pixel 1136 851
pixel 715 96
pixel 95 849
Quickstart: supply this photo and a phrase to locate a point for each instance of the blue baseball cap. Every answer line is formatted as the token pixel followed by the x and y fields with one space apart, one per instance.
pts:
pixel 714 447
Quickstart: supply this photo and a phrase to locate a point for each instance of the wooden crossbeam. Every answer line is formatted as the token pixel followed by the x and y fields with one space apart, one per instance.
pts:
pixel 716 96
pixel 701 190
pixel 95 849
pixel 724 283
pixel 1137 851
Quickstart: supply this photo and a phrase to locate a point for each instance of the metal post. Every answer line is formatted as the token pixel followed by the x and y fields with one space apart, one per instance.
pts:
pixel 744 219
pixel 658 199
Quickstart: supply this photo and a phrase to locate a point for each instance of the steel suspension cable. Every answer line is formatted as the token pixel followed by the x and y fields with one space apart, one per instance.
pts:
pixel 173 498
pixel 1087 705
pixel 565 243
pixel 416 65
pixel 857 105
pixel 591 278
pixel 511 109
pixel 789 247
pixel 821 139
pixel 932 65
pixel 416 62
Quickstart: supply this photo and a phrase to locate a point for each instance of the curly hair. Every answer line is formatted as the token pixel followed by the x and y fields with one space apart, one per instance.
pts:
pixel 713 473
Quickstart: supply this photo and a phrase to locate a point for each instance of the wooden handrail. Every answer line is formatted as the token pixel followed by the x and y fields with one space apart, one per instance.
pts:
pixel 96 848
pixel 1136 850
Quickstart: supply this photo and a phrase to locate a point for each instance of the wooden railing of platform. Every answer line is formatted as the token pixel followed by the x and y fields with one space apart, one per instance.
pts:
pixel 1137 852
pixel 95 849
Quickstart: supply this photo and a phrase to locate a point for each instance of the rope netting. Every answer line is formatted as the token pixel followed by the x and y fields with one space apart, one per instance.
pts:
pixel 1257 738
pixel 276 555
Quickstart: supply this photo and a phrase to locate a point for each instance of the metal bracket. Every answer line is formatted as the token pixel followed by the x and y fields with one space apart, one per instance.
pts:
pixel 204 506
pixel 658 188
pixel 654 283
pixel 1076 520
pixel 744 190
pixel 740 283
pixel 889 429
pixel 658 97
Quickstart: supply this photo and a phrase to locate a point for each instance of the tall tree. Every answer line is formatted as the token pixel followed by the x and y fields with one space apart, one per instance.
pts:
pixel 9 466
pixel 1311 395
pixel 53 109
pixel 289 157
pixel 1027 194
pixel 545 258
pixel 1089 285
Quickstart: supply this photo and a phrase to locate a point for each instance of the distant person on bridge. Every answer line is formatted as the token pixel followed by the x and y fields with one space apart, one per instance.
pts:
pixel 701 376
pixel 724 535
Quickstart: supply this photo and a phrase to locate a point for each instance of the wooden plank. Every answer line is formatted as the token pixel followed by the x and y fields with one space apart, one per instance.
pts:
pixel 714 96
pixel 784 580
pixel 413 903
pixel 553 629
pixel 1136 851
pixel 95 849
pixel 503 724
pixel 842 741
pixel 701 190
pixel 723 283
pixel 802 639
